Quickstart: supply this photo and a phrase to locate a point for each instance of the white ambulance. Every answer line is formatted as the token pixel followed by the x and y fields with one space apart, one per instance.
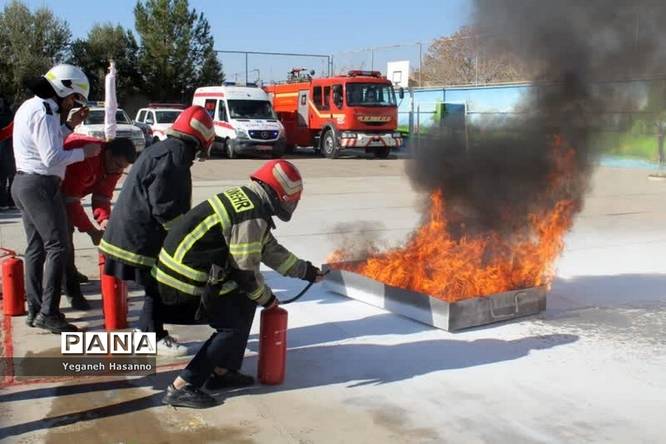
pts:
pixel 245 122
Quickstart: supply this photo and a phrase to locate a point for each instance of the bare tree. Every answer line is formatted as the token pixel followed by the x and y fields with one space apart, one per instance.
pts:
pixel 462 58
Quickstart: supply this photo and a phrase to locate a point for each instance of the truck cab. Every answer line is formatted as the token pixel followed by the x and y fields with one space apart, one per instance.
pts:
pixel 244 120
pixel 357 110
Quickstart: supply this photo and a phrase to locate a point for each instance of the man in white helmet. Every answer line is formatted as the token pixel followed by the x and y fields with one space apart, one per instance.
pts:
pixel 40 126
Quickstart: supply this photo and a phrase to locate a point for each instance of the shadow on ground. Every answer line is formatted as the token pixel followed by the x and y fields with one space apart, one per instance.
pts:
pixel 314 366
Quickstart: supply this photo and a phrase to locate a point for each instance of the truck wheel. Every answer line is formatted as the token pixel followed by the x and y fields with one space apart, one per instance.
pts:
pixel 382 153
pixel 329 145
pixel 229 148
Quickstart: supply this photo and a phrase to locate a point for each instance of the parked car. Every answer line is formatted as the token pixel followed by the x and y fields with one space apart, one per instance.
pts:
pixel 94 126
pixel 244 120
pixel 159 117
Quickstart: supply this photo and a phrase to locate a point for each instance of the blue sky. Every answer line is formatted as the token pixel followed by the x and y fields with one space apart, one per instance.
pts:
pixel 295 26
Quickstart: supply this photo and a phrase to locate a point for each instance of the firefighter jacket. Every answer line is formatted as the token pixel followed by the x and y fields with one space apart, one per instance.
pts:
pixel 158 189
pixel 87 177
pixel 224 240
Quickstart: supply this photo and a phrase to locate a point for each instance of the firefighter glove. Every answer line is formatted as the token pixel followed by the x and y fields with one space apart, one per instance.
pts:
pixel 311 272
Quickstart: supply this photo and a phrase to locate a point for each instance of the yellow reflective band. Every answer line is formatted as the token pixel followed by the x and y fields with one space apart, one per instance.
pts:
pixel 256 294
pixel 245 249
pixel 286 265
pixel 183 269
pixel 221 212
pixel 193 236
pixel 169 225
pixel 125 255
pixel 172 282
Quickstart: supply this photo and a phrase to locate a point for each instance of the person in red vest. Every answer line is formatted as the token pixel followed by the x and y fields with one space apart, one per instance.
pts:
pixel 6 132
pixel 97 176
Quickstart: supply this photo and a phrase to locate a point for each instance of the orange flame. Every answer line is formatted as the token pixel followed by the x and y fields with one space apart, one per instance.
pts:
pixel 434 263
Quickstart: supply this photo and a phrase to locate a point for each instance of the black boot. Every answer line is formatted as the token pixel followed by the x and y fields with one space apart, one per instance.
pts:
pixel 231 379
pixel 78 302
pixel 55 323
pixel 188 396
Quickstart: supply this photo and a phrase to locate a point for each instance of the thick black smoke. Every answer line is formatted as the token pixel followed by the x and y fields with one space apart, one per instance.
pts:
pixel 494 174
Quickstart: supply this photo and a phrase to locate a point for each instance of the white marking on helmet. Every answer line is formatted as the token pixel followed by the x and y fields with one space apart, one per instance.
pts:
pixel 290 186
pixel 207 132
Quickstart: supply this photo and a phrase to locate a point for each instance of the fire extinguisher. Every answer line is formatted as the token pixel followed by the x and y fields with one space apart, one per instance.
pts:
pixel 114 299
pixel 273 341
pixel 13 287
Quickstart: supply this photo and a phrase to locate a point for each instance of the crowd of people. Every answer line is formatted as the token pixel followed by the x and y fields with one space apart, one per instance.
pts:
pixel 196 265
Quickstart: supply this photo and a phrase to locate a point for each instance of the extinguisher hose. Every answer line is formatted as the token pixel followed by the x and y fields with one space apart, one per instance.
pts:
pixel 303 291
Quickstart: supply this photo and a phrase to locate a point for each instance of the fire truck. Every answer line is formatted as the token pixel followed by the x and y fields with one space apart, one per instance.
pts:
pixel 331 114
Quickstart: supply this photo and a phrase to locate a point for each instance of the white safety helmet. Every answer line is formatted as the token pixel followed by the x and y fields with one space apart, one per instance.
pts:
pixel 68 79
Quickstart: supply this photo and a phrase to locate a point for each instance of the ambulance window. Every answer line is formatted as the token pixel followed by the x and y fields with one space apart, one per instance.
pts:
pixel 337 96
pixel 316 96
pixel 222 111
pixel 209 105
pixel 327 97
pixel 149 118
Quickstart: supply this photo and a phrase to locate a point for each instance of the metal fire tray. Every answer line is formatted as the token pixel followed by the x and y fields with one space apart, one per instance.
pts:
pixel 449 316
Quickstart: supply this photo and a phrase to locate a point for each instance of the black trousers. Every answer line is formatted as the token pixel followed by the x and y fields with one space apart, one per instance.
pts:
pixel 7 173
pixel 72 285
pixel 153 313
pixel 231 316
pixel 45 223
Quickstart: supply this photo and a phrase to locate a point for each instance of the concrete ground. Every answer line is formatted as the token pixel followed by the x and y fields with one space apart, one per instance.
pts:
pixel 589 369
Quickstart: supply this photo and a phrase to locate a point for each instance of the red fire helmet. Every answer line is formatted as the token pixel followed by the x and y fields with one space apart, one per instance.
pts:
pixel 283 177
pixel 195 122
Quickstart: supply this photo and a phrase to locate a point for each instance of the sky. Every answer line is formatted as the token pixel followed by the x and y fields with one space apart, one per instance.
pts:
pixel 342 28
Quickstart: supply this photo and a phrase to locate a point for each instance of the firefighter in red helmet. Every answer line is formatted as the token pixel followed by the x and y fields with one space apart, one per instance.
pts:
pixel 209 268
pixel 158 191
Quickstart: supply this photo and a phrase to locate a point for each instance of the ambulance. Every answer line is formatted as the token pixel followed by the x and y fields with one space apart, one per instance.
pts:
pixel 245 122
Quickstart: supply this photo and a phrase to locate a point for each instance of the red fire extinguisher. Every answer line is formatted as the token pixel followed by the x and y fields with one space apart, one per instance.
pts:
pixel 273 342
pixel 114 299
pixel 13 288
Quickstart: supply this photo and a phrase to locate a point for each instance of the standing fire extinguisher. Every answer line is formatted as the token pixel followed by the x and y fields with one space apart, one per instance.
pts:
pixel 13 288
pixel 114 299
pixel 273 342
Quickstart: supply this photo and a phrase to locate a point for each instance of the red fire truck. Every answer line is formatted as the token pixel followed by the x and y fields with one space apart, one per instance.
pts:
pixel 357 110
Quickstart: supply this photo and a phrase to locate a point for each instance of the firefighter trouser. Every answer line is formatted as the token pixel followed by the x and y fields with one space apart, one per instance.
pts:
pixel 231 316
pixel 153 311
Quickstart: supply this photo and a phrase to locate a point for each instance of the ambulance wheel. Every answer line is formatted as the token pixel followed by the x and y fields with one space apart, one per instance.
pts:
pixel 229 148
pixel 329 146
pixel 382 153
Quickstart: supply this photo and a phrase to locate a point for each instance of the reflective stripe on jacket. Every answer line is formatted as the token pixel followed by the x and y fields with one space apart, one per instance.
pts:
pixel 224 240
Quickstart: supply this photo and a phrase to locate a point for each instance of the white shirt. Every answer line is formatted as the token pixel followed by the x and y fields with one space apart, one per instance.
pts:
pixel 38 139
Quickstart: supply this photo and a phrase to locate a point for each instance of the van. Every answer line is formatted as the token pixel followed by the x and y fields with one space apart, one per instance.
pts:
pixel 245 122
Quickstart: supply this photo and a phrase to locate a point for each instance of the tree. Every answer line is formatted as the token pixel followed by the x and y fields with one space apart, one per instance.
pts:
pixel 176 52
pixel 30 43
pixel 463 59
pixel 105 42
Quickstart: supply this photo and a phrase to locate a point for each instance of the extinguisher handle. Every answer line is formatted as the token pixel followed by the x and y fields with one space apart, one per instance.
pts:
pixel 8 252
pixel 303 291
